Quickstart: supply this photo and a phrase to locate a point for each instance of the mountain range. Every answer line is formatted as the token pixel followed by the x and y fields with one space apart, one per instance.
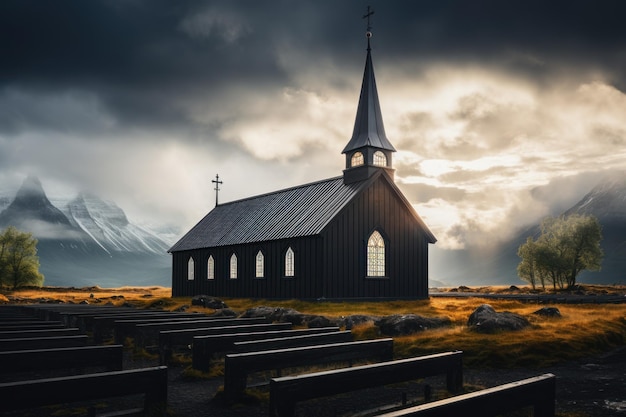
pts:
pixel 606 201
pixel 86 241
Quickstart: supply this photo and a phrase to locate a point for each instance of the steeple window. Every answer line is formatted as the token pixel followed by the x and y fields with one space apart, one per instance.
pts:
pixel 380 159
pixel 357 159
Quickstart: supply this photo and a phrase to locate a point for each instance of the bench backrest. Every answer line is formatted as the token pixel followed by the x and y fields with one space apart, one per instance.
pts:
pixel 286 391
pixel 22 333
pixel 42 392
pixel 293 341
pixel 204 347
pixel 110 357
pixel 42 342
pixel 538 392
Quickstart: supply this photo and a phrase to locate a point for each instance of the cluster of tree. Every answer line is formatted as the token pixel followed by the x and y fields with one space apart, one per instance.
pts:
pixel 565 247
pixel 19 263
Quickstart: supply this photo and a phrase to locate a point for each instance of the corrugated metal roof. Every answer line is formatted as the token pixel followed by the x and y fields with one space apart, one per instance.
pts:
pixel 293 212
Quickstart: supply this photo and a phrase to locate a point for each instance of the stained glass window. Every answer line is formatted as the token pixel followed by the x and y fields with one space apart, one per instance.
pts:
pixel 376 255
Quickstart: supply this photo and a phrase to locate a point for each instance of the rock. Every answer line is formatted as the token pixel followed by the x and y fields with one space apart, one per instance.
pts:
pixel 275 314
pixel 208 302
pixel 317 321
pixel 224 312
pixel 356 319
pixel 405 324
pixel 486 320
pixel 548 312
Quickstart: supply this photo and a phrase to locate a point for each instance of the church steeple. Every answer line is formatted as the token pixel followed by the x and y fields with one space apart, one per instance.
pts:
pixel 369 149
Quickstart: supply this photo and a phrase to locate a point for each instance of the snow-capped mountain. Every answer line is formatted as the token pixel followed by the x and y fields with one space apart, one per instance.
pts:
pixel 87 241
pixel 107 224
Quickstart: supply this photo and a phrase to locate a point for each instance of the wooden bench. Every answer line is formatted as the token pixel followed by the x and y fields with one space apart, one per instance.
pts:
pixel 103 326
pixel 169 339
pixel 149 333
pixel 22 333
pixel 42 342
pixel 125 327
pixel 293 341
pixel 31 325
pixel 238 366
pixel 205 347
pixel 109 357
pixel 152 382
pixel 285 392
pixel 537 392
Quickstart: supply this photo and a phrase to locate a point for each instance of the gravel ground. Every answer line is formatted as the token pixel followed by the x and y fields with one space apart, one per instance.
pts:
pixel 594 386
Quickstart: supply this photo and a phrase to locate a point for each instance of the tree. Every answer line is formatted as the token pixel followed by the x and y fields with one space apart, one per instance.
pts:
pixel 567 246
pixel 19 263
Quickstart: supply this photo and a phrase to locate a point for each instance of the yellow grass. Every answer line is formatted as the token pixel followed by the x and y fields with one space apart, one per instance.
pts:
pixel 583 329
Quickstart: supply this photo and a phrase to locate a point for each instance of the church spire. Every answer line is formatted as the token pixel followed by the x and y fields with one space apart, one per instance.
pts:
pixel 369 146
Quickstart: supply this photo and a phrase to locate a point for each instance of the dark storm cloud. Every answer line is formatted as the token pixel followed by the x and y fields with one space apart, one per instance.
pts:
pixel 142 59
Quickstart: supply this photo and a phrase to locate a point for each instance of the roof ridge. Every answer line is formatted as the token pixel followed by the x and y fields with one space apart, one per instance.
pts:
pixel 281 191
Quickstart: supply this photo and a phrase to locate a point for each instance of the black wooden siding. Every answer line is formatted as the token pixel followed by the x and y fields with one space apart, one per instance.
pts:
pixel 273 285
pixel 329 265
pixel 406 248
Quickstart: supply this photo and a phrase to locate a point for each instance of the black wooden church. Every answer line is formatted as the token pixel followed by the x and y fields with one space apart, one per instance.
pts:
pixel 351 236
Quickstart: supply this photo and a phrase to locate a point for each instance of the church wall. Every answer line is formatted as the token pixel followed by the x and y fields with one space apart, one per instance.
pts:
pixel 273 285
pixel 376 208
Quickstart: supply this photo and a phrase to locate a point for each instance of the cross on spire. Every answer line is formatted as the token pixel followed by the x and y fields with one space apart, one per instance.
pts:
pixel 368 34
pixel 217 183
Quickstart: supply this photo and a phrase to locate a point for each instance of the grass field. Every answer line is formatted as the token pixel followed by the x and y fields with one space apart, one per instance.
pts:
pixel 582 329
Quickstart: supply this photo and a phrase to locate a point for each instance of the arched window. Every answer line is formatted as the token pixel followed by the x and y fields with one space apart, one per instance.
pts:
pixel 376 255
pixel 380 159
pixel 357 159
pixel 233 266
pixel 210 267
pixel 289 263
pixel 190 269
pixel 260 265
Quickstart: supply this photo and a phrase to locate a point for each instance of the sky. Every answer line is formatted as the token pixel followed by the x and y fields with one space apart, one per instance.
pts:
pixel 502 112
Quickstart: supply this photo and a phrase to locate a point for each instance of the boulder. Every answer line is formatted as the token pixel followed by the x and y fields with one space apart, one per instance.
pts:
pixel 548 312
pixel 276 314
pixel 314 321
pixel 208 302
pixel 405 324
pixel 356 319
pixel 486 320
pixel 224 312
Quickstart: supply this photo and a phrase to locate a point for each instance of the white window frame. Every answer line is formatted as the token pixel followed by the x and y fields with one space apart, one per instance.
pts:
pixel 233 266
pixel 191 266
pixel 290 263
pixel 259 265
pixel 357 159
pixel 210 266
pixel 380 159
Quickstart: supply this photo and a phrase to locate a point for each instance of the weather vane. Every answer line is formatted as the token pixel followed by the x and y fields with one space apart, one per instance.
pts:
pixel 217 183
